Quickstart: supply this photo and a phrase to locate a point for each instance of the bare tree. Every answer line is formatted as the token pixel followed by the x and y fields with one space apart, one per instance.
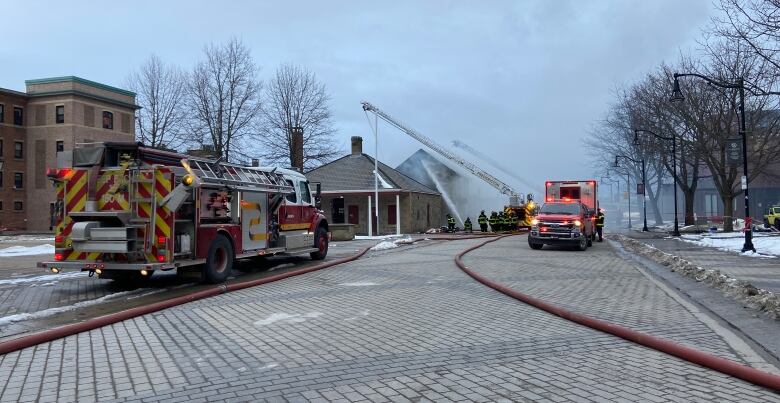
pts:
pixel 224 94
pixel 295 98
pixel 614 135
pixel 657 114
pixel 160 91
pixel 716 118
pixel 756 25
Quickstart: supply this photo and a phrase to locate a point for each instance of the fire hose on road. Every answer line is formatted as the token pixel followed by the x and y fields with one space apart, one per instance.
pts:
pixel 94 323
pixel 719 364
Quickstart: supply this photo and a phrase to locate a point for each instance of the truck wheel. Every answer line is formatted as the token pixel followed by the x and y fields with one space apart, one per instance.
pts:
pixel 590 240
pixel 219 260
pixel 321 243
pixel 534 245
pixel 583 244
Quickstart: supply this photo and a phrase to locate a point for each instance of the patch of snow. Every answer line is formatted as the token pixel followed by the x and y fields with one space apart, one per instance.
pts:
pixel 766 246
pixel 44 278
pixel 268 366
pixel 5 320
pixel 287 318
pixel 27 250
pixel 358 284
pixel 26 238
pixel 385 245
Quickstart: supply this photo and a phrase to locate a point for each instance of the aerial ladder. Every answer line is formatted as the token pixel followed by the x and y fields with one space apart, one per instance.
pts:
pixel 469 149
pixel 514 197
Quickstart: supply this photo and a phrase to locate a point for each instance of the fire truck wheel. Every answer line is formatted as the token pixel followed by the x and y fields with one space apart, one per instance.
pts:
pixel 583 244
pixel 321 243
pixel 219 260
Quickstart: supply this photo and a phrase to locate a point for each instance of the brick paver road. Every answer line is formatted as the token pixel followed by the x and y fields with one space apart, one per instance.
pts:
pixel 398 326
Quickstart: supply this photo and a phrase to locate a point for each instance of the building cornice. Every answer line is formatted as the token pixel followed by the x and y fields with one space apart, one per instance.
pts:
pixel 79 80
pixel 83 94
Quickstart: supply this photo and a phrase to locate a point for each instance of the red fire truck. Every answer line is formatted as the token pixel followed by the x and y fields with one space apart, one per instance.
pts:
pixel 124 211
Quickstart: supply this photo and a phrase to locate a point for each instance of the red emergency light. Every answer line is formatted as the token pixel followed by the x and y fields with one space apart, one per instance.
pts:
pixel 549 199
pixel 161 258
pixel 59 257
pixel 161 240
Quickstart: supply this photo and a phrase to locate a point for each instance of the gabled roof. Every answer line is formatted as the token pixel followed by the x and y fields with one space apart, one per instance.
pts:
pixel 355 172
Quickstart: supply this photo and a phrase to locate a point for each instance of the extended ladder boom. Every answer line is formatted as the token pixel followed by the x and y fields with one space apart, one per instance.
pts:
pixel 490 179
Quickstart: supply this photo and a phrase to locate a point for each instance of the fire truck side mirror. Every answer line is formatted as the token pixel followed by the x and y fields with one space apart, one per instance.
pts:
pixel 318 196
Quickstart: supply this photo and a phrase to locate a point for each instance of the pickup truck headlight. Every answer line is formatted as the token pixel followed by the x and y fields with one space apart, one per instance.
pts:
pixel 535 221
pixel 577 223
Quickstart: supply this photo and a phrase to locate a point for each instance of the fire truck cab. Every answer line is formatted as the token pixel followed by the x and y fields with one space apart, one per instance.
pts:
pixel 125 211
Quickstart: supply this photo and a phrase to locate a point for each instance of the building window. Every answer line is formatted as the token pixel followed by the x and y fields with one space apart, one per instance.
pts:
pixel 2 113
pixel 18 206
pixel 108 120
pixel 18 180
pixel 1 148
pixel 18 116
pixel 1 205
pixel 60 145
pixel 1 179
pixel 60 113
pixel 18 150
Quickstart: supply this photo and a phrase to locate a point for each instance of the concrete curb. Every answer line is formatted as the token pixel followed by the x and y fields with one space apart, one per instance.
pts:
pixel 100 321
pixel 719 364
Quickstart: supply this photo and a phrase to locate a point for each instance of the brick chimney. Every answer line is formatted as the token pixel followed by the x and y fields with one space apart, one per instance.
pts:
pixel 357 145
pixel 296 143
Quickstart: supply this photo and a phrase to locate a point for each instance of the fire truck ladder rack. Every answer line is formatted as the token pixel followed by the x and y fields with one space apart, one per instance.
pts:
pixel 473 169
pixel 238 176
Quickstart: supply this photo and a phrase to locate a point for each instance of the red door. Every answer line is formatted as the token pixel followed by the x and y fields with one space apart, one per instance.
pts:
pixel 353 215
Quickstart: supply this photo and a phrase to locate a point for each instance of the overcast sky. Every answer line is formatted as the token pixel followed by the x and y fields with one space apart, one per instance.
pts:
pixel 521 80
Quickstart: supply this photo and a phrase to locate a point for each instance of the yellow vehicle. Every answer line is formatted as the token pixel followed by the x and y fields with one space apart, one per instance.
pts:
pixel 773 218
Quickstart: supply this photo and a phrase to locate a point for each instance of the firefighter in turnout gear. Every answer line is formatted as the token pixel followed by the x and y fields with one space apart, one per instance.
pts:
pixel 467 225
pixel 600 225
pixel 501 221
pixel 450 223
pixel 483 221
pixel 493 220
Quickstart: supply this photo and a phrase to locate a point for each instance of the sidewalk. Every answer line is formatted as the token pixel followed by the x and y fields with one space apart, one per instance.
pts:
pixel 762 273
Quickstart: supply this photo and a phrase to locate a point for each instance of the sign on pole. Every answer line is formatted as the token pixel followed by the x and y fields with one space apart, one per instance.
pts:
pixel 734 151
pixel 640 188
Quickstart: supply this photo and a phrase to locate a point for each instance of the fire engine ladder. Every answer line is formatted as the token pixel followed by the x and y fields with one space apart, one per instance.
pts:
pixel 471 168
pixel 141 223
pixel 239 177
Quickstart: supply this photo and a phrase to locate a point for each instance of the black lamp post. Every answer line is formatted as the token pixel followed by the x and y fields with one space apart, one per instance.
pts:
pixel 644 185
pixel 677 96
pixel 676 231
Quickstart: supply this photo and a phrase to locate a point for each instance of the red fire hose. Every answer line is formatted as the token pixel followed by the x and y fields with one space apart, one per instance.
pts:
pixel 100 321
pixel 719 364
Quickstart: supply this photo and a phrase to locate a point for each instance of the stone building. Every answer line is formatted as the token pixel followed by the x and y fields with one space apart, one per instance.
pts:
pixel 405 205
pixel 52 115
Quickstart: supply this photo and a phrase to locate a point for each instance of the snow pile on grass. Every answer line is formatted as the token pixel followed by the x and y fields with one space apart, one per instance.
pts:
pixel 375 237
pixel 767 246
pixel 740 290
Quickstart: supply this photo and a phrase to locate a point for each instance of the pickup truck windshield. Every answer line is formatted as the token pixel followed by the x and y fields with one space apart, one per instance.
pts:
pixel 560 208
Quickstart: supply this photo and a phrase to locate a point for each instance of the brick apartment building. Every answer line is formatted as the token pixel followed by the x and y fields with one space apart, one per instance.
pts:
pixel 52 115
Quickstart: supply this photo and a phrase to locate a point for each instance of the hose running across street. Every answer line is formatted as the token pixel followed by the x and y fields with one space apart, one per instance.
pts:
pixel 719 364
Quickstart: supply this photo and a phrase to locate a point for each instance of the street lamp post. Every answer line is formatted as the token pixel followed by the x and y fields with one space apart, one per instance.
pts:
pixel 677 96
pixel 674 169
pixel 644 191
